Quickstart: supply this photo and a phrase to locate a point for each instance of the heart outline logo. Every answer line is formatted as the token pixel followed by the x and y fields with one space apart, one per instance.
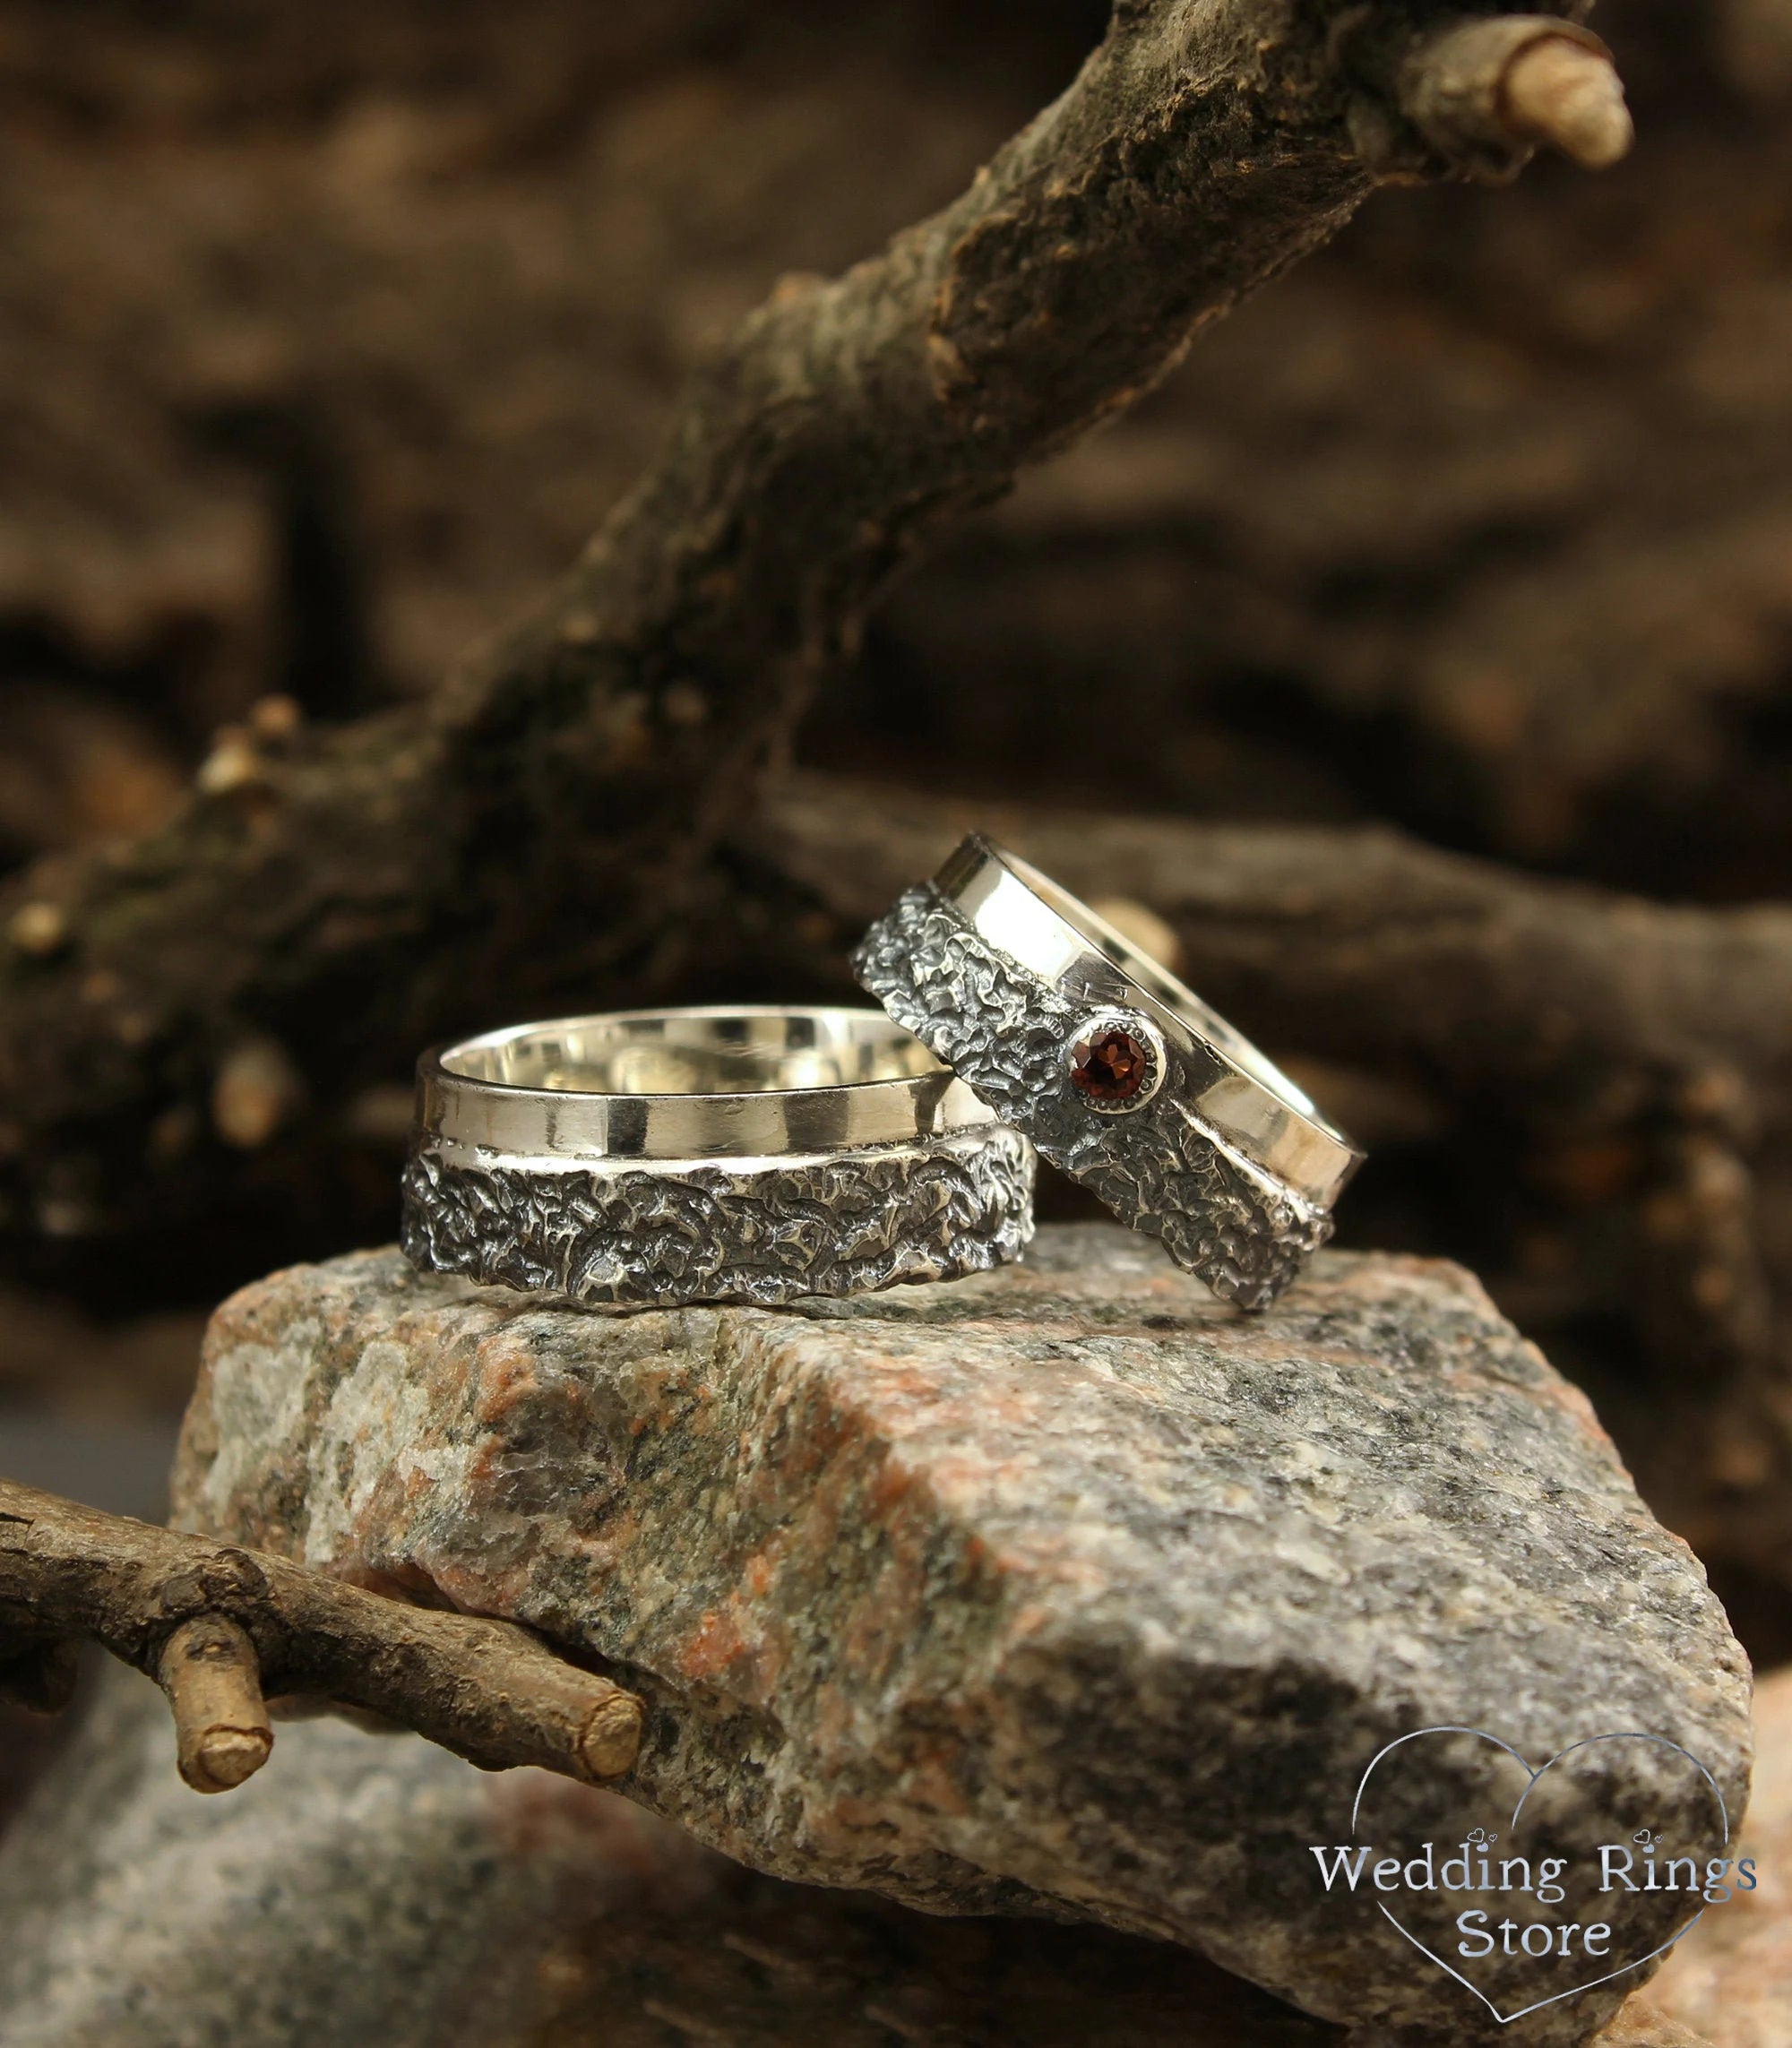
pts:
pixel 1523 1763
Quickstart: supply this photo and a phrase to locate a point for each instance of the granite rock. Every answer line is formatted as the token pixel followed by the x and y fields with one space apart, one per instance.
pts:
pixel 1061 1589
pixel 389 1895
pixel 369 1892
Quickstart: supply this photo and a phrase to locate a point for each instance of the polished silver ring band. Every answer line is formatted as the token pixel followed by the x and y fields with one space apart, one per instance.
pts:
pixel 751 1154
pixel 1120 1075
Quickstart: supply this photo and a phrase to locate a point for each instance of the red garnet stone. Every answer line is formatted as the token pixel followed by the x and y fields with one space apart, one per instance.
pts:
pixel 1110 1066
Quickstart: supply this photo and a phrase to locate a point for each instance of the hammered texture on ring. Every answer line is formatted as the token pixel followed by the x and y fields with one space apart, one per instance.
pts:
pixel 706 1231
pixel 754 1155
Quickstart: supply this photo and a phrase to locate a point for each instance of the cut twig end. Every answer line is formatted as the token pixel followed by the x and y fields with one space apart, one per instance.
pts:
pixel 257 1091
pixel 221 1759
pixel 1487 92
pixel 213 1680
pixel 39 929
pixel 610 1741
pixel 1559 91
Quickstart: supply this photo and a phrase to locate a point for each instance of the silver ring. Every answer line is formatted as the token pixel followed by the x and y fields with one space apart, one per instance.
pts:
pixel 728 1154
pixel 1120 1075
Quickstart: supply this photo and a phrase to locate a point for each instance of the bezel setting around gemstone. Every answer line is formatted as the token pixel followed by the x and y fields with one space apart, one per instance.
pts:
pixel 1140 1050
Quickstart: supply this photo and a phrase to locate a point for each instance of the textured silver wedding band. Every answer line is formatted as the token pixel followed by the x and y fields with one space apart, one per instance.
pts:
pixel 1119 1074
pixel 748 1155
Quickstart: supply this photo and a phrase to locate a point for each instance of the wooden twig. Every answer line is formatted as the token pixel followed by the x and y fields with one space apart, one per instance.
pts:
pixel 209 1672
pixel 1489 90
pixel 577 773
pixel 218 1626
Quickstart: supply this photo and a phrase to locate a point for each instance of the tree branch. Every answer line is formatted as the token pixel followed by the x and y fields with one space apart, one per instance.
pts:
pixel 333 901
pixel 217 1626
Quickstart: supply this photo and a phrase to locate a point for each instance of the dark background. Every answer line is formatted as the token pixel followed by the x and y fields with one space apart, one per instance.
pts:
pixel 329 333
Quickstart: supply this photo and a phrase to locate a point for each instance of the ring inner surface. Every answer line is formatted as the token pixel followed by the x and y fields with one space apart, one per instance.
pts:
pixel 741 1051
pixel 738 1083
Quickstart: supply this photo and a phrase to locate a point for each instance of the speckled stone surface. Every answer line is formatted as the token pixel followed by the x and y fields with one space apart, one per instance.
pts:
pixel 370 1891
pixel 1059 1589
